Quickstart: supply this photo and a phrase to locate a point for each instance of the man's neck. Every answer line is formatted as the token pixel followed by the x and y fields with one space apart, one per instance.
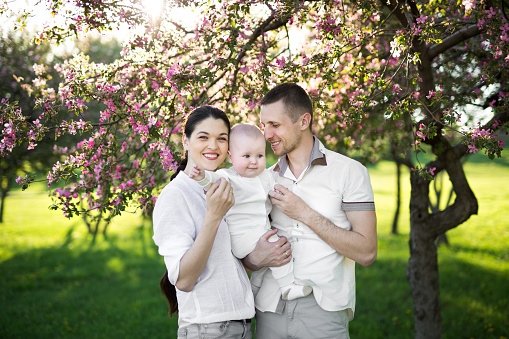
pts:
pixel 298 159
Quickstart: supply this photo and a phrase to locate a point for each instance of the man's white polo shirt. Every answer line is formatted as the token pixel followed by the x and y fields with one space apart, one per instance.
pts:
pixel 331 185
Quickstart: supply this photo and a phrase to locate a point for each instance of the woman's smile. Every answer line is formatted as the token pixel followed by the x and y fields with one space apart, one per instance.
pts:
pixel 211 156
pixel 208 144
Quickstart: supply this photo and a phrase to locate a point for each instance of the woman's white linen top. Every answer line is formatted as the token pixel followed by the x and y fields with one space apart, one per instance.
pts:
pixel 248 218
pixel 222 292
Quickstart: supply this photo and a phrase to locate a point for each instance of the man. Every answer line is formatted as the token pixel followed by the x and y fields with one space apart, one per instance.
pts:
pixel 323 204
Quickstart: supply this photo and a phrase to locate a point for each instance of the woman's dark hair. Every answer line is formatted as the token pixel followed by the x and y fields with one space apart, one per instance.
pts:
pixel 193 119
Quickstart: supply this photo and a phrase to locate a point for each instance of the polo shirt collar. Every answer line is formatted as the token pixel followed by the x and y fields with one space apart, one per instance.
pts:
pixel 317 158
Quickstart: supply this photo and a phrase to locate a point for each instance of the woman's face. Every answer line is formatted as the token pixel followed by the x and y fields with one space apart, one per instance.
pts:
pixel 208 144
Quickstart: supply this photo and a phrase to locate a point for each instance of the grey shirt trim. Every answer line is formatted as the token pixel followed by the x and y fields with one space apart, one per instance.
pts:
pixel 358 206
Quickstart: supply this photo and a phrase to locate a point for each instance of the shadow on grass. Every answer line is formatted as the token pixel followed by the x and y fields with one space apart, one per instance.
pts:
pixel 109 290
pixel 474 300
pixel 384 303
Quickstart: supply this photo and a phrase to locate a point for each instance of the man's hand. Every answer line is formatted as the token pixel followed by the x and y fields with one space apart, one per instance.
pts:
pixel 358 244
pixel 287 202
pixel 269 254
pixel 196 173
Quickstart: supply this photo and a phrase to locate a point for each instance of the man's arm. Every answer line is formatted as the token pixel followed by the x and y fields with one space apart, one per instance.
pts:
pixel 359 244
pixel 268 254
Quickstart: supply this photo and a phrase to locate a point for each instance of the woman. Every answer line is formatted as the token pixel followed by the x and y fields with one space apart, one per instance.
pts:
pixel 212 288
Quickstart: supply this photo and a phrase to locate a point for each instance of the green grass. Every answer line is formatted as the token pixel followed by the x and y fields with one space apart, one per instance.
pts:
pixel 53 283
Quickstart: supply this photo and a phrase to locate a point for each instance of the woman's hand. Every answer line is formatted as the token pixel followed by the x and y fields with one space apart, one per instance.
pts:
pixel 220 198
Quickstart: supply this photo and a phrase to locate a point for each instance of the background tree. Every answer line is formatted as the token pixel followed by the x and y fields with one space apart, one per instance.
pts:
pixel 17 56
pixel 398 74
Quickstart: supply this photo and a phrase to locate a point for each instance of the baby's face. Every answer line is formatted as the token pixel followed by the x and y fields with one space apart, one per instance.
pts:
pixel 247 155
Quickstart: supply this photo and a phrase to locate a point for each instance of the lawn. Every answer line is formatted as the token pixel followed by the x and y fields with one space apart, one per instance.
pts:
pixel 54 283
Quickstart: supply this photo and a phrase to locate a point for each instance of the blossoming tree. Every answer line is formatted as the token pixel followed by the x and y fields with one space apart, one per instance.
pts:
pixel 397 75
pixel 17 55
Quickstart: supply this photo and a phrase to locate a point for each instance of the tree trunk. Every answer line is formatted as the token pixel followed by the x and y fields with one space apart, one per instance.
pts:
pixel 422 269
pixel 2 207
pixel 398 198
pixel 6 185
pixel 422 274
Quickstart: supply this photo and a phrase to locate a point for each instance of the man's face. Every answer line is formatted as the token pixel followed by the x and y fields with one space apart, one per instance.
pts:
pixel 247 155
pixel 283 135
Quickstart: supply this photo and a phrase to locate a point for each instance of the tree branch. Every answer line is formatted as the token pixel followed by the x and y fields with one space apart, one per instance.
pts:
pixel 267 25
pixel 453 40
pixel 465 203
pixel 398 12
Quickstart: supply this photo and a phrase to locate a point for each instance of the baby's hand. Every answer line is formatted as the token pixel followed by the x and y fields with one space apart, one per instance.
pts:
pixel 196 173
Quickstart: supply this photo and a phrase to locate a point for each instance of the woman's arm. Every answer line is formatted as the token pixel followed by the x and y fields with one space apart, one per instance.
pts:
pixel 219 200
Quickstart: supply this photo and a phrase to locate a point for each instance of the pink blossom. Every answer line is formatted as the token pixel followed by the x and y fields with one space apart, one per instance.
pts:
pixel 281 62
pixel 469 4
pixel 422 19
pixel 431 93
pixel 420 135
pixel 480 23
pixel 81 124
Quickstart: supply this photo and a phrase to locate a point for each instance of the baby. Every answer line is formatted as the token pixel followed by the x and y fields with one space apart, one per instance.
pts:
pixel 248 218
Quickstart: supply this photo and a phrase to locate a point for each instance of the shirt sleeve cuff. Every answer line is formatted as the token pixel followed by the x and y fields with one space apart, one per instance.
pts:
pixel 358 206
pixel 206 181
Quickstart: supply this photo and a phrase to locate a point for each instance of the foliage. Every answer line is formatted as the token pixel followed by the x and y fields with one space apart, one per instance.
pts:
pixel 355 61
pixel 17 55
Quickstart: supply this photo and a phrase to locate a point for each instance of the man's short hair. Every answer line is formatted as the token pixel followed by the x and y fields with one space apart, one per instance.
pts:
pixel 295 99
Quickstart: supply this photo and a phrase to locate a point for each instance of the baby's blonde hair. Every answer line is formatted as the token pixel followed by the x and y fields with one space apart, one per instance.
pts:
pixel 247 130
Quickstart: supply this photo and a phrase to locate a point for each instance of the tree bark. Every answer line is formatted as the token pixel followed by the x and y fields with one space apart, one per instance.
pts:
pixel 6 185
pixel 2 208
pixel 425 227
pixel 398 198
pixel 422 269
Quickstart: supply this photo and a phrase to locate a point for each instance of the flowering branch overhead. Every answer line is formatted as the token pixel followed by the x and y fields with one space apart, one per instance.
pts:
pixel 372 70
